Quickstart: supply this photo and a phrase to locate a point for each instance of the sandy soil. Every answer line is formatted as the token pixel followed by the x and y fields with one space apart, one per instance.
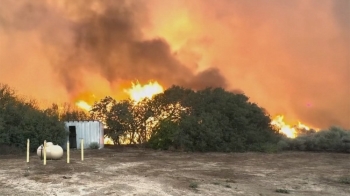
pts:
pixel 132 171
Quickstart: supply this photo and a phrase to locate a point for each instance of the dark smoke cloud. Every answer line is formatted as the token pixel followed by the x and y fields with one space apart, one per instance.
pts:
pixel 113 43
pixel 208 78
pixel 103 37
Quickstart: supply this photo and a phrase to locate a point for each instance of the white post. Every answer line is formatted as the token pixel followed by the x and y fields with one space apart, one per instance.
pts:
pixel 67 152
pixel 82 149
pixel 44 152
pixel 28 150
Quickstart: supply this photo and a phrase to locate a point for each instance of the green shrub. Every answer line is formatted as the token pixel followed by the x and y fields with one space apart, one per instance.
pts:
pixel 164 135
pixel 345 180
pixel 270 148
pixel 333 140
pixel 346 138
pixel 264 147
pixel 283 145
pixel 193 185
pixel 282 191
pixel 213 120
pixel 10 149
pixel 94 145
pixel 21 119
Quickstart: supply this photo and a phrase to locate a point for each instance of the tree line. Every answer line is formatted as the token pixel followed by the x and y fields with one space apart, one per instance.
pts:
pixel 211 119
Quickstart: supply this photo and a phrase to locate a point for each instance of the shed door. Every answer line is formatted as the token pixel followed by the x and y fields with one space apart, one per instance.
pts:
pixel 72 137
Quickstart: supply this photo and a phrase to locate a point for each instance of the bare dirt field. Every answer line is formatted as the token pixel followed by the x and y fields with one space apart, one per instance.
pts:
pixel 133 171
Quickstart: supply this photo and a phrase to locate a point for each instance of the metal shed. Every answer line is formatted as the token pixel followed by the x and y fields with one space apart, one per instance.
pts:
pixel 90 131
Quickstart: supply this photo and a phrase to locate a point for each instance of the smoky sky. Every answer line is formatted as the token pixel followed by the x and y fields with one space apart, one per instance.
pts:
pixel 105 37
pixel 290 57
pixel 113 44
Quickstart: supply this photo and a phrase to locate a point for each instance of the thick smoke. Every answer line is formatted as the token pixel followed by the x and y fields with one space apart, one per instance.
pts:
pixel 113 43
pixel 105 38
pixel 291 57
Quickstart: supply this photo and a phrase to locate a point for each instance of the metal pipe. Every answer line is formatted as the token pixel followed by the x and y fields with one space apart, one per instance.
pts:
pixel 44 152
pixel 67 152
pixel 82 149
pixel 28 143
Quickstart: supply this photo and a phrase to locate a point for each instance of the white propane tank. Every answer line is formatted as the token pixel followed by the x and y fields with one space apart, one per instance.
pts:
pixel 52 151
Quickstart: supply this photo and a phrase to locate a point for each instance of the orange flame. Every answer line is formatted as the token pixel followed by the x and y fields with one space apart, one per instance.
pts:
pixel 302 126
pixel 108 140
pixel 139 92
pixel 83 105
pixel 288 130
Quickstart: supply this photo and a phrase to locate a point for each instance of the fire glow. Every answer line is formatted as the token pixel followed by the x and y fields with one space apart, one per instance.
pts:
pixel 288 130
pixel 83 105
pixel 139 92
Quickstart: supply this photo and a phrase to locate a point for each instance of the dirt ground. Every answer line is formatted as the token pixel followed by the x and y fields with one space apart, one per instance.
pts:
pixel 133 171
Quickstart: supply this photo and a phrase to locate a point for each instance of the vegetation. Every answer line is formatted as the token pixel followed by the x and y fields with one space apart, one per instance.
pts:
pixel 193 185
pixel 67 112
pixel 333 140
pixel 94 145
pixel 211 119
pixel 282 191
pixel 21 119
pixel 126 121
pixel 345 180
pixel 206 120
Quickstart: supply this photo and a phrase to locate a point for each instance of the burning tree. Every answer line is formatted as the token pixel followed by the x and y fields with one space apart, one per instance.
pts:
pixel 128 121
pixel 205 120
pixel 290 131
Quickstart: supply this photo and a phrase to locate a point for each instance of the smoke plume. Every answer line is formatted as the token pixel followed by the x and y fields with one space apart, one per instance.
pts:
pixel 290 57
pixel 104 38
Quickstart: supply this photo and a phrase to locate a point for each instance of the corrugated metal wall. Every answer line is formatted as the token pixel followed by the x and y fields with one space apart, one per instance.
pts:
pixel 90 131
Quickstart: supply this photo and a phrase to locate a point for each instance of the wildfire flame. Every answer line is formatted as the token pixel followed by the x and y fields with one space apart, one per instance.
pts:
pixel 83 105
pixel 138 92
pixel 288 130
pixel 108 140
